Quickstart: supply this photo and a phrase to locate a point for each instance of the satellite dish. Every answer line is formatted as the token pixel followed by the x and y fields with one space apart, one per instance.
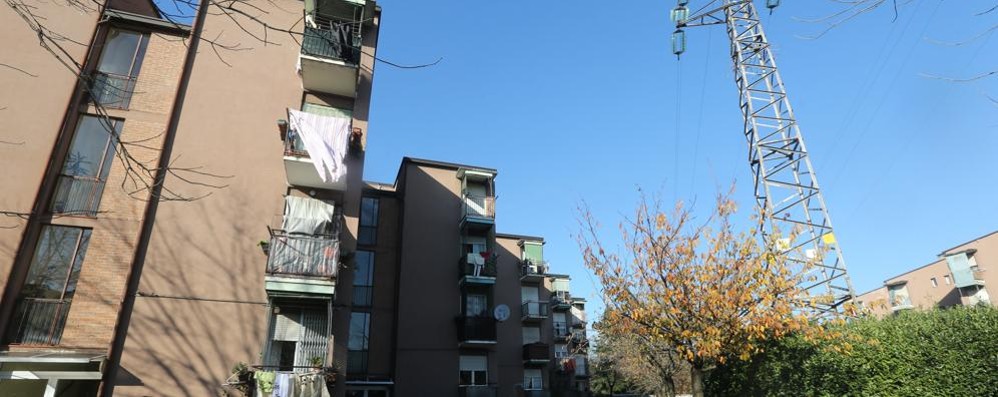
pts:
pixel 501 313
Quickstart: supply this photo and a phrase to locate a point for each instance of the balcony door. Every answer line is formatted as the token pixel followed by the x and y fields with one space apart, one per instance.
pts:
pixel 476 198
pixel 298 335
pixel 530 296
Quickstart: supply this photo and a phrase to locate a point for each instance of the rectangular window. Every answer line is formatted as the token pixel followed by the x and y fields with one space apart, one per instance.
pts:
pixel 531 335
pixel 560 351
pixel 298 337
pixel 474 370
pixel 368 232
pixel 533 379
pixel 88 162
pixel 476 305
pixel 947 279
pixel 357 344
pixel 118 68
pixel 45 298
pixel 934 282
pixel 363 278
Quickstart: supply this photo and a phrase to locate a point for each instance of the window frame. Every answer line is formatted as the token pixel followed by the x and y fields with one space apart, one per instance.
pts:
pixel 99 177
pixel 371 225
pixel 134 67
pixel 364 285
pixel 361 352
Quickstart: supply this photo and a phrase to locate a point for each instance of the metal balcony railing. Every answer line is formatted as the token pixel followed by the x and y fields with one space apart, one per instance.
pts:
pixel 561 298
pixel 112 90
pixel 77 195
pixel 38 321
pixel 332 38
pixel 536 351
pixel 534 309
pixel 476 328
pixel 477 391
pixel 479 206
pixel 303 254
pixel 480 266
pixel 533 268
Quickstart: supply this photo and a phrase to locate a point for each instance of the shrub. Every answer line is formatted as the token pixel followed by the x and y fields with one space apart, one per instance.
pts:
pixel 939 352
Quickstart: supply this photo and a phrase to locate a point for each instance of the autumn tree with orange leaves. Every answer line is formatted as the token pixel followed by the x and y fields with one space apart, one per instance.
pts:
pixel 703 291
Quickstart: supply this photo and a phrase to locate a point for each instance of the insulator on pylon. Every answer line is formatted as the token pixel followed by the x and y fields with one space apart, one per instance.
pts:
pixel 679 14
pixel 682 3
pixel 678 42
pixel 771 4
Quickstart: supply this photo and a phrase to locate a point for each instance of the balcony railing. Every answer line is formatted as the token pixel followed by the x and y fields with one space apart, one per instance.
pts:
pixel 561 299
pixel 38 321
pixel 77 195
pixel 476 265
pixel 306 255
pixel 476 391
pixel 332 38
pixel 112 90
pixel 293 145
pixel 476 328
pixel 578 322
pixel 479 207
pixel 536 352
pixel 533 270
pixel 534 310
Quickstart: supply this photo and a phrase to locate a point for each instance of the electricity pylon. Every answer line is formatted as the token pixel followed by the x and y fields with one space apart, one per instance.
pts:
pixel 786 187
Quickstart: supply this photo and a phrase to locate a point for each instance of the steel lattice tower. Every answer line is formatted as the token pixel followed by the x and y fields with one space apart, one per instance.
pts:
pixel 786 187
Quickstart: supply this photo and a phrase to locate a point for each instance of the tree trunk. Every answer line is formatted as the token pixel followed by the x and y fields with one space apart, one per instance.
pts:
pixel 696 379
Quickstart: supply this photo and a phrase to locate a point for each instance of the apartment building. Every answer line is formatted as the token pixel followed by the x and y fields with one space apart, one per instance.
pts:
pixel 959 276
pixel 114 282
pixel 263 245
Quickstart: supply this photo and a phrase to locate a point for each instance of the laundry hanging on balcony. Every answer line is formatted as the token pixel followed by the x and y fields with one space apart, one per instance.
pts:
pixel 308 216
pixel 326 139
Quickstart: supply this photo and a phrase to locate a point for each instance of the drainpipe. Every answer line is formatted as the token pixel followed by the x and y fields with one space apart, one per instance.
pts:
pixel 145 234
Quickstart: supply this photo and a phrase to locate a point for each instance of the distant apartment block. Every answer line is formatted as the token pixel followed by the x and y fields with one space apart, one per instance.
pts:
pixel 959 276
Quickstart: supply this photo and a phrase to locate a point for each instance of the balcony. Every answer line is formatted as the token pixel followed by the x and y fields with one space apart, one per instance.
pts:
pixel 561 300
pixel 532 312
pixel 536 353
pixel 475 268
pixel 901 303
pixel 300 168
pixel 304 263
pixel 561 331
pixel 38 321
pixel 476 331
pixel 578 337
pixel 476 391
pixel 111 90
pixel 478 213
pixel 77 195
pixel 578 321
pixel 331 49
pixel 533 271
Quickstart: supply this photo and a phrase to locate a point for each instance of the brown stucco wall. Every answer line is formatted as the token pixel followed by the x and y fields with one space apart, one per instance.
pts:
pixel 202 304
pixel 31 112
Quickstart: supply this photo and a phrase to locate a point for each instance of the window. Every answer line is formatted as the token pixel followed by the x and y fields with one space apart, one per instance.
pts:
pixel 84 172
pixel 947 279
pixel 368 232
pixel 119 65
pixel 531 335
pixel 363 278
pixel 533 379
pixel 560 351
pixel 934 282
pixel 357 345
pixel 899 296
pixel 476 305
pixel 45 298
pixel 474 371
pixel 298 334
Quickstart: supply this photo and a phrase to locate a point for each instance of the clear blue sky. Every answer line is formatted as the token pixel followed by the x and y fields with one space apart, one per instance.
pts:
pixel 577 101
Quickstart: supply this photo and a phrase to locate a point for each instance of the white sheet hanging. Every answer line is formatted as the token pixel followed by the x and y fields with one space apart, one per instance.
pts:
pixel 326 139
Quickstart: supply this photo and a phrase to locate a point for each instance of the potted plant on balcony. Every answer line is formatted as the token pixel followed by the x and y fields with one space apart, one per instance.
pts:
pixel 316 363
pixel 265 246
pixel 241 379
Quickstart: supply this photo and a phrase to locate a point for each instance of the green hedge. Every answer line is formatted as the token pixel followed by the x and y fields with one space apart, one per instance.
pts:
pixel 950 352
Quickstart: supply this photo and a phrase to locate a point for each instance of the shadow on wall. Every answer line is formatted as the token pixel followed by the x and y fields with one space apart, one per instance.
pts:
pixel 201 305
